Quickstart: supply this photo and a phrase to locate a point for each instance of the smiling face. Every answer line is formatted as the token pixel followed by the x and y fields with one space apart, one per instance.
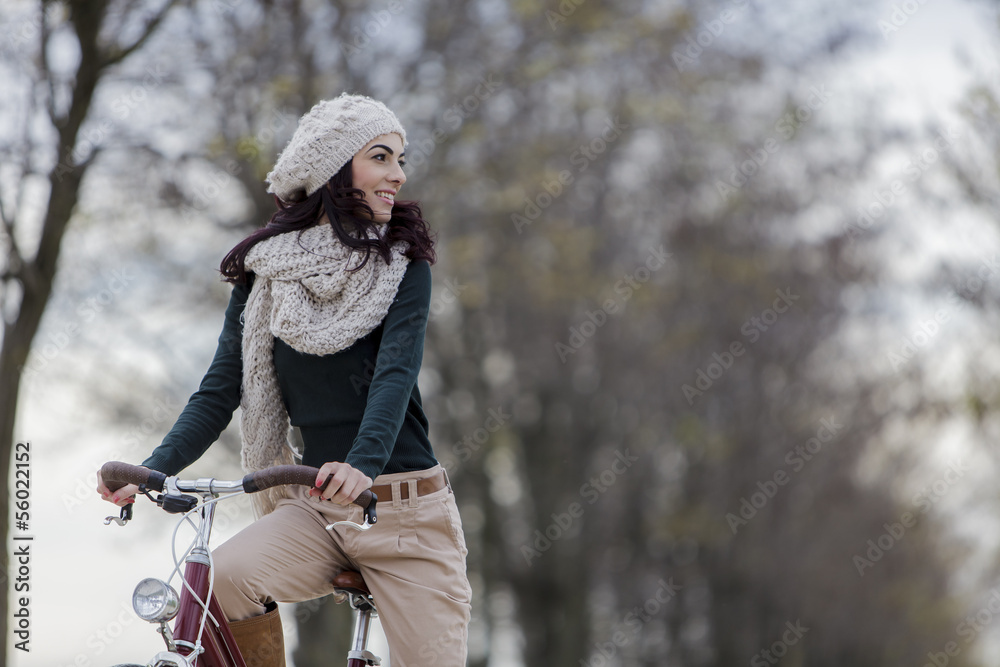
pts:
pixel 377 169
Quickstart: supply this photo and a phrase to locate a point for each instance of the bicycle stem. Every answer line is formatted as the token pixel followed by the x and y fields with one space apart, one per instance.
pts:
pixel 207 519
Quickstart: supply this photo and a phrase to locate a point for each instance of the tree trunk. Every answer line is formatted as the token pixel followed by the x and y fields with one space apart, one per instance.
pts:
pixel 324 632
pixel 37 275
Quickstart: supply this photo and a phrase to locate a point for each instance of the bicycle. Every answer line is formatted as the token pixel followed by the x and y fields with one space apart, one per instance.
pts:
pixel 201 636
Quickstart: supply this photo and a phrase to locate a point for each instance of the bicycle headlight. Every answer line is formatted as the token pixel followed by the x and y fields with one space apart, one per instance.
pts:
pixel 155 601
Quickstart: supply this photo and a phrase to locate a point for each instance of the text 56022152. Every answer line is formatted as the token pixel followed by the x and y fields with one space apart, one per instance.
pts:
pixel 22 485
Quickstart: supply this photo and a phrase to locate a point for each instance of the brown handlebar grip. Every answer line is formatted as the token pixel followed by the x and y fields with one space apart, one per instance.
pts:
pixel 292 474
pixel 117 474
pixel 279 475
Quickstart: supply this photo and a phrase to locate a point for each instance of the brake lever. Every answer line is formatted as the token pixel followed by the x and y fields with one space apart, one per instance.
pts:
pixel 126 514
pixel 125 517
pixel 357 526
pixel 369 514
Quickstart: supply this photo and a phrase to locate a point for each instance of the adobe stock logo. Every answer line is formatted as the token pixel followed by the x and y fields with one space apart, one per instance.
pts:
pixel 790 637
pixel 918 339
pixel 896 531
pixel 581 158
pixel 884 199
pixel 968 629
pixel 797 458
pixel 631 625
pixel 86 312
pixel 624 290
pixel 899 17
pixel 752 329
pixel 463 450
pixel 687 55
pixel 757 157
pixel 564 521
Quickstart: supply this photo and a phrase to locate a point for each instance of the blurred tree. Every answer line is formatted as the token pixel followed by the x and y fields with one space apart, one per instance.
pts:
pixel 636 425
pixel 61 161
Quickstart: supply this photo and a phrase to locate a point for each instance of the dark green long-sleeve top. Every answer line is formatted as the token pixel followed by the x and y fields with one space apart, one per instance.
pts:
pixel 360 405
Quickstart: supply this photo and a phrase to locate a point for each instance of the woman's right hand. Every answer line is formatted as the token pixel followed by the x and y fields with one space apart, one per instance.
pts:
pixel 121 497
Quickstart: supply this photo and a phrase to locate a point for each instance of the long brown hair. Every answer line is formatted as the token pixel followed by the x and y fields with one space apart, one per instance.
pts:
pixel 351 219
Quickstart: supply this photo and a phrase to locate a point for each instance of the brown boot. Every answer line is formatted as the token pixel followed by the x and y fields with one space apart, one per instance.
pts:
pixel 260 639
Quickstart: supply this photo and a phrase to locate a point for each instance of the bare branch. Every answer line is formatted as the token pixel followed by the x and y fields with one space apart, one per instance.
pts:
pixel 116 56
pixel 15 258
pixel 44 35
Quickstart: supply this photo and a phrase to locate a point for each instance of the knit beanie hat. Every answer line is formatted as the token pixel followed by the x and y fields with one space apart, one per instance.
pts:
pixel 325 140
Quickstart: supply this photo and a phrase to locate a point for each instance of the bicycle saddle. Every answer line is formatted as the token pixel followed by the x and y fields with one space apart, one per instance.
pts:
pixel 351 581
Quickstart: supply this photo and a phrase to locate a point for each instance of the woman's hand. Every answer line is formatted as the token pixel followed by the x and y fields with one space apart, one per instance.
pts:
pixel 121 497
pixel 345 485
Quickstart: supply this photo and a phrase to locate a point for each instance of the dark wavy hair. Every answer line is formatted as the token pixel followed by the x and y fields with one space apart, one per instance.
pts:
pixel 351 219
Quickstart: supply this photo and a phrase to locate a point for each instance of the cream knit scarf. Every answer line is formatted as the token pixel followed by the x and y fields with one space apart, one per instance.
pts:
pixel 304 295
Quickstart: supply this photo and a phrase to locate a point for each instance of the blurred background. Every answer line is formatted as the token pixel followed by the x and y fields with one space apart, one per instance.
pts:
pixel 711 337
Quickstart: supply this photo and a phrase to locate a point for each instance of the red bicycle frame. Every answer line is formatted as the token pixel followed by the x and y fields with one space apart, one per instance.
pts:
pixel 217 640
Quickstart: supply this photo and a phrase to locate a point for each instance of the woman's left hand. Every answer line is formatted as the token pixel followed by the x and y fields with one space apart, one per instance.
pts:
pixel 346 483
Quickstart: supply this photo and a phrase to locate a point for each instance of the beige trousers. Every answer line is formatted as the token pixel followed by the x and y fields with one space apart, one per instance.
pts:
pixel 413 561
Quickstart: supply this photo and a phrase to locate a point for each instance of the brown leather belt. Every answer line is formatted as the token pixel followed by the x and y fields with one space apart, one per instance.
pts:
pixel 424 486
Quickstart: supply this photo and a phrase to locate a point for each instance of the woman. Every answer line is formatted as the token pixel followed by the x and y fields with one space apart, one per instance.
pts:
pixel 325 331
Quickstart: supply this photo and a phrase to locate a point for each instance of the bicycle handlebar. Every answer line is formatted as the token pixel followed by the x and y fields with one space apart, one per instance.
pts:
pixel 117 474
pixel 294 474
